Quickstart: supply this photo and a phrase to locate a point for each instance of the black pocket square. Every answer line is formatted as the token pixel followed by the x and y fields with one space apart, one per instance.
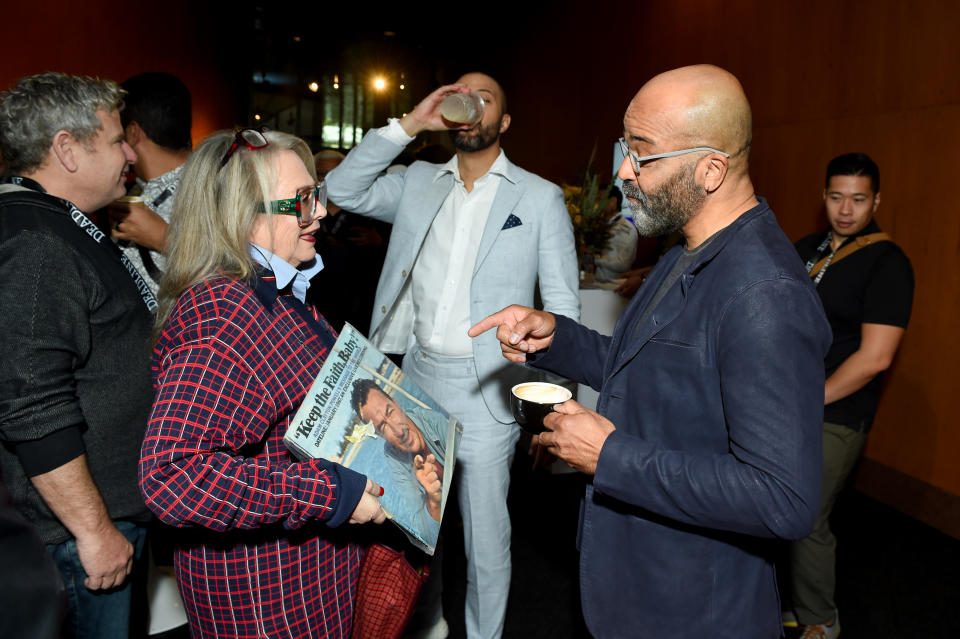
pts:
pixel 511 222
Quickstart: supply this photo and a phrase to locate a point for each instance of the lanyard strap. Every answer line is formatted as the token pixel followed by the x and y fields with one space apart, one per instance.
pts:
pixel 817 269
pixel 94 233
pixel 823 263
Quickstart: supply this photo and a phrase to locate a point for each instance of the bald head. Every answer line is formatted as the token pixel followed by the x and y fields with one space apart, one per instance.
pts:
pixel 700 105
pixel 698 191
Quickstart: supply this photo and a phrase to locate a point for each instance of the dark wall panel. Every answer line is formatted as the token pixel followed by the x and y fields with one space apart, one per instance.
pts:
pixel 824 78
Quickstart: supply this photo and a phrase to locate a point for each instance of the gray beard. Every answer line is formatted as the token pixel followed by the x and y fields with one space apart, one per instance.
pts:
pixel 667 208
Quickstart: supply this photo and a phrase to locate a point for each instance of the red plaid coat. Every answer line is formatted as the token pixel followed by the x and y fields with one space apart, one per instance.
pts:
pixel 262 557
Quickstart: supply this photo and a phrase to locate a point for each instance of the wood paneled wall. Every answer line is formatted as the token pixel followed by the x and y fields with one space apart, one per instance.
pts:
pixel 824 78
pixel 116 39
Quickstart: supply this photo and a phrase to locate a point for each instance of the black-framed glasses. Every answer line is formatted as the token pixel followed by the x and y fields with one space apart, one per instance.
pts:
pixel 252 139
pixel 637 160
pixel 303 205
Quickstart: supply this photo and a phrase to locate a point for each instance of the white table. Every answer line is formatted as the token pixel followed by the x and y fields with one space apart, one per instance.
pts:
pixel 599 310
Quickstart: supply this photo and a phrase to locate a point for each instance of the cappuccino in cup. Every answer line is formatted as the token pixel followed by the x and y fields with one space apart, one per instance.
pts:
pixel 532 401
pixel 542 393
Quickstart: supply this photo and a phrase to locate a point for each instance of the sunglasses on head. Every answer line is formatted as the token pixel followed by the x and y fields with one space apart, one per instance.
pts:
pixel 252 139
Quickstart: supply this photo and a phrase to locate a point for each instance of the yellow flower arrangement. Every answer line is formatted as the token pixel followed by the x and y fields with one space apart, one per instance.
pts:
pixel 591 215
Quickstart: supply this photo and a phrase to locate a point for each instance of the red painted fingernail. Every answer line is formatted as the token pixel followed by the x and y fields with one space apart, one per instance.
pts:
pixel 381 491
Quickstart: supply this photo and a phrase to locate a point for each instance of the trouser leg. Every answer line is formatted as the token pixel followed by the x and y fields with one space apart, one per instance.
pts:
pixel 97 614
pixel 483 479
pixel 813 559
pixel 483 485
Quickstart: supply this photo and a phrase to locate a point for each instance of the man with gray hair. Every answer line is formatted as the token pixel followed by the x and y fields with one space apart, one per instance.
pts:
pixel 75 390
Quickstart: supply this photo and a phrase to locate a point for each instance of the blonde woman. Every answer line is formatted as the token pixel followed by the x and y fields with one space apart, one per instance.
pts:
pixel 236 351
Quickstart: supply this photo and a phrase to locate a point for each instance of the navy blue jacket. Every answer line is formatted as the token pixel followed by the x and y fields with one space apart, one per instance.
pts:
pixel 718 403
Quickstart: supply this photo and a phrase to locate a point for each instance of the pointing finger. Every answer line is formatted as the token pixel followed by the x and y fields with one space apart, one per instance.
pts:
pixel 487 323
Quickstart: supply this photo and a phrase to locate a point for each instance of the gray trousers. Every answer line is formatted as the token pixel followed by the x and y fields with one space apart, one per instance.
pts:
pixel 482 474
pixel 813 559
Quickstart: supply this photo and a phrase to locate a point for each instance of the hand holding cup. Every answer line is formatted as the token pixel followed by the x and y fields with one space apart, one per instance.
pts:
pixel 132 221
pixel 531 402
pixel 426 115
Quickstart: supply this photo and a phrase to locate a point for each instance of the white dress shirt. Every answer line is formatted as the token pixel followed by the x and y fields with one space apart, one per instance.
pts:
pixel 442 274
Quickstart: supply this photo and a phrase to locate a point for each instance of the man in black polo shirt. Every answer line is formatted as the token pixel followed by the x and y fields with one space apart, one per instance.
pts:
pixel 866 285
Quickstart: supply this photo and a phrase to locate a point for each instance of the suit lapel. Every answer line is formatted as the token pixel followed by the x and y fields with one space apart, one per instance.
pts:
pixel 508 194
pixel 624 335
pixel 436 192
pixel 627 342
pixel 629 339
pixel 666 312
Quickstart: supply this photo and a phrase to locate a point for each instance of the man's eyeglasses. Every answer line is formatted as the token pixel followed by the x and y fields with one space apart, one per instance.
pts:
pixel 304 205
pixel 637 160
pixel 252 139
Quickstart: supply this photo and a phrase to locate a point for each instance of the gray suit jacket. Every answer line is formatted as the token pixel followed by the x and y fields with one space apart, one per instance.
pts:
pixel 510 259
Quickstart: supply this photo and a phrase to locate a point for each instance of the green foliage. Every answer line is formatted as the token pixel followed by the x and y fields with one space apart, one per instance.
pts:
pixel 591 213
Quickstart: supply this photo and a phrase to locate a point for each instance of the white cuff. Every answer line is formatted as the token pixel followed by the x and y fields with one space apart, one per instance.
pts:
pixel 393 132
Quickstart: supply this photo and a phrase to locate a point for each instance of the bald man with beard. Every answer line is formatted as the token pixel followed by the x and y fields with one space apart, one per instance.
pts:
pixel 706 443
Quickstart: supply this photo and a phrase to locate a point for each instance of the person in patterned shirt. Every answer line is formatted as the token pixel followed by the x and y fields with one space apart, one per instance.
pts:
pixel 262 552
pixel 156 118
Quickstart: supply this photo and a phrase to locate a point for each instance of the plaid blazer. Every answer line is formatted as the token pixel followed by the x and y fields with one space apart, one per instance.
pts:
pixel 259 555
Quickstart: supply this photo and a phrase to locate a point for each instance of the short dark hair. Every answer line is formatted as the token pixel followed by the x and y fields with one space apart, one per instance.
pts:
pixel 493 76
pixel 160 104
pixel 361 392
pixel 854 164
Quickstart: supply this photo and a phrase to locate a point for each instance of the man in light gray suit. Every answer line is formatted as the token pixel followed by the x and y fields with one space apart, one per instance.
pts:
pixel 469 237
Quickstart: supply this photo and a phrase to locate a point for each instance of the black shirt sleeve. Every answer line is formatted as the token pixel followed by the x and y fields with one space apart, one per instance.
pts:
pixel 888 295
pixel 42 455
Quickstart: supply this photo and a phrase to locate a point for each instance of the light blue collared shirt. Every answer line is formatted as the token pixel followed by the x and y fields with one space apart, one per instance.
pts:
pixel 286 272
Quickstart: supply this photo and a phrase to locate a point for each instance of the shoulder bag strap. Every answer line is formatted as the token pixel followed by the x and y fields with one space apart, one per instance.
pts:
pixel 854 246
